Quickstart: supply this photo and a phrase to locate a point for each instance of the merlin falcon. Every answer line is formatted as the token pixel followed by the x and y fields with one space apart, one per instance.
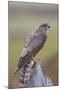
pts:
pixel 34 43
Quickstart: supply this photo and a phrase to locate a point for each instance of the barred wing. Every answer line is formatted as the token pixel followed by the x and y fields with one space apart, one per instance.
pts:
pixel 32 49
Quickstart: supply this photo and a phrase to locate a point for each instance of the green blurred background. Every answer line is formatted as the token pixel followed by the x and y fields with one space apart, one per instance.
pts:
pixel 23 18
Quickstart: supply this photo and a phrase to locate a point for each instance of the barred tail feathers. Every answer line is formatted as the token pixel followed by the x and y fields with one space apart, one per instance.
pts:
pixel 26 73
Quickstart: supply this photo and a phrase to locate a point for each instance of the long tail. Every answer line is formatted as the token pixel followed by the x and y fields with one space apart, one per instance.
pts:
pixel 26 73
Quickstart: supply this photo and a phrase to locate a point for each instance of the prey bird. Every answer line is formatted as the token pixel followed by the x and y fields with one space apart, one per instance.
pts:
pixel 34 43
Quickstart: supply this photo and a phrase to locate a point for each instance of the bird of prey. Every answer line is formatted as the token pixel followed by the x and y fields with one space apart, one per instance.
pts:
pixel 34 43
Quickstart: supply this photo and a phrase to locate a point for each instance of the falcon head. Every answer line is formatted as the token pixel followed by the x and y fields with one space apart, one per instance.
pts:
pixel 44 27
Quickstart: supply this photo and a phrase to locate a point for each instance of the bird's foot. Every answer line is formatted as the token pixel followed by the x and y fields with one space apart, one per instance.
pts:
pixel 35 59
